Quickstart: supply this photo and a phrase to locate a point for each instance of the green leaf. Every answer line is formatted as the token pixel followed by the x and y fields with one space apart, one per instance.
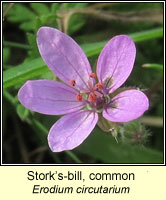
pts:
pixel 6 55
pixel 40 8
pixel 27 26
pixel 38 23
pixel 103 147
pixel 153 66
pixel 47 20
pixel 76 21
pixel 20 13
pixel 22 111
pixel 95 48
pixel 33 52
pixel 54 7
pixel 24 72
pixel 27 17
pixel 147 35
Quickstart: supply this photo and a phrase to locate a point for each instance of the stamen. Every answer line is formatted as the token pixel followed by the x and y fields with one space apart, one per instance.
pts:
pixel 99 86
pixel 90 84
pixel 93 75
pixel 92 97
pixel 72 82
pixel 98 94
pixel 79 97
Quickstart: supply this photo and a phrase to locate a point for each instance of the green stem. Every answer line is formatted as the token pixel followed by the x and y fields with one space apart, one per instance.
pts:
pixel 9 97
pixel 152 121
pixel 73 156
pixel 40 126
pixel 155 66
pixel 147 35
pixel 17 45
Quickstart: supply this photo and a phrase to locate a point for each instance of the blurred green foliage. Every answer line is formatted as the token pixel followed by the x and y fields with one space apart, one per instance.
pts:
pixel 25 140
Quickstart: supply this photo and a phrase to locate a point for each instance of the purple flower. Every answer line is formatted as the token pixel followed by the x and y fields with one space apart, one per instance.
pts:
pixel 83 94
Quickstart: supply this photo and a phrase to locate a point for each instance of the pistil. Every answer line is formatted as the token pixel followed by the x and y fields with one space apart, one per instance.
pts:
pixel 94 96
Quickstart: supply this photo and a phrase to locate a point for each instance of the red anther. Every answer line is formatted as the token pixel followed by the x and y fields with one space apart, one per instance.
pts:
pixel 92 97
pixel 72 82
pixel 79 97
pixel 99 85
pixel 93 75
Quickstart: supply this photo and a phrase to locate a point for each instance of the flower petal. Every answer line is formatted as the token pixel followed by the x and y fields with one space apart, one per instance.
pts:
pixel 49 97
pixel 126 106
pixel 116 61
pixel 64 56
pixel 71 130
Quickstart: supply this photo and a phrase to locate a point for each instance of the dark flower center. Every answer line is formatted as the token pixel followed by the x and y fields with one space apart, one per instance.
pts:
pixel 96 96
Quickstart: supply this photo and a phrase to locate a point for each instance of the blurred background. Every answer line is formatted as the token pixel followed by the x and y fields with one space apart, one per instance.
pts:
pixel 91 25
